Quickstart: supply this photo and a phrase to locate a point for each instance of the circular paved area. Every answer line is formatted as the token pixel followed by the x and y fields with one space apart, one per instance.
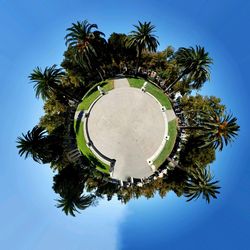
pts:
pixel 127 125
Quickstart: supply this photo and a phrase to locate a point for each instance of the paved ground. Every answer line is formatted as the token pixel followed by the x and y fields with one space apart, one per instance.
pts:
pixel 121 83
pixel 170 115
pixel 127 125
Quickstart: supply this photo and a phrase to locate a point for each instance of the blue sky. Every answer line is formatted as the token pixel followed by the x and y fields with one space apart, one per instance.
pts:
pixel 32 34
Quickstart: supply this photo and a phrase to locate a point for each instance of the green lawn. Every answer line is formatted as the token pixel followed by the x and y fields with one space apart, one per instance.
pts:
pixel 153 90
pixel 136 82
pixel 93 93
pixel 172 132
pixel 81 143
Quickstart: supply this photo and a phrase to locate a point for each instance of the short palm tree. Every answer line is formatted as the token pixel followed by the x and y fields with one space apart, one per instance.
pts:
pixel 142 38
pixel 47 81
pixel 200 183
pixel 71 204
pixel 33 144
pixel 84 39
pixel 194 63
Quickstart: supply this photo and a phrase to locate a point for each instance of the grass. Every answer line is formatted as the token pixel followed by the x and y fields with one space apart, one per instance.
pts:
pixel 136 82
pixel 169 145
pixel 153 90
pixel 93 93
pixel 82 145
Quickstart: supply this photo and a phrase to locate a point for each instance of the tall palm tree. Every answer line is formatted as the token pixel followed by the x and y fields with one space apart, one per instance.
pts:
pixel 200 183
pixel 194 63
pixel 142 38
pixel 71 204
pixel 33 144
pixel 81 36
pixel 86 41
pixel 219 130
pixel 215 129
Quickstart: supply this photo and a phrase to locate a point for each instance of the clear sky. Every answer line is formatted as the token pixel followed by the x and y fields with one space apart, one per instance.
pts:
pixel 32 34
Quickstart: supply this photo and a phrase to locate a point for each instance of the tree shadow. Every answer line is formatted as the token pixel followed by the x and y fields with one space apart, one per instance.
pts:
pixel 95 162
pixel 78 121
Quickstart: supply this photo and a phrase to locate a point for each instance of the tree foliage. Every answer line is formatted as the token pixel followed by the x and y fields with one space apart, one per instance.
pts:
pixel 121 54
pixel 46 81
pixel 142 38
pixel 219 130
pixel 194 63
pixel 200 184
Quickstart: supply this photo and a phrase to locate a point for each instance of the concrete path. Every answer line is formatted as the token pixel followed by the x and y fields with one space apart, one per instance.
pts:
pixel 170 115
pixel 121 83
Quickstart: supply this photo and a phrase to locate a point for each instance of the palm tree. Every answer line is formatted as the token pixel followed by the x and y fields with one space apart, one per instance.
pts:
pixel 47 81
pixel 219 130
pixel 71 204
pixel 33 144
pixel 85 41
pixel 142 38
pixel 200 183
pixel 215 129
pixel 195 64
pixel 69 183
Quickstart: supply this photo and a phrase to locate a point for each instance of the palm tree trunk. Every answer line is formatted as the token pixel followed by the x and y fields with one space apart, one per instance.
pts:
pixel 191 127
pixel 99 73
pixel 57 89
pixel 138 60
pixel 171 93
pixel 185 112
pixel 176 80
